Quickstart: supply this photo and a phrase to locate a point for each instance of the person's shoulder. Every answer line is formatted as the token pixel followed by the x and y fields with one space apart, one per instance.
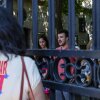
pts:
pixel 58 48
pixel 77 47
pixel 28 59
pixel 30 63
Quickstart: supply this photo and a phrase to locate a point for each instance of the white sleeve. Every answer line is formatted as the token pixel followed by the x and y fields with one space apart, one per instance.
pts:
pixel 33 73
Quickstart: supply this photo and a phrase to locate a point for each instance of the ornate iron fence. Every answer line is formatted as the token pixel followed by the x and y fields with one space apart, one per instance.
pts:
pixel 84 80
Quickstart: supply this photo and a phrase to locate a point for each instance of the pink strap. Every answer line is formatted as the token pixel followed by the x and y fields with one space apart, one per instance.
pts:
pixel 22 81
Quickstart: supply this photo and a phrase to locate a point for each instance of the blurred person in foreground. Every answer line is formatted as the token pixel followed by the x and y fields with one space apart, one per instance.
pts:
pixel 11 44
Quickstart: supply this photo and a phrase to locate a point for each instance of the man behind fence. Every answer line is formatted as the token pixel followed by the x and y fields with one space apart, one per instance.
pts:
pixel 62 38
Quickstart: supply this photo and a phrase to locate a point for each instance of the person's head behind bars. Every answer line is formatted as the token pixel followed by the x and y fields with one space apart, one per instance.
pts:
pixel 43 42
pixel 11 34
pixel 62 37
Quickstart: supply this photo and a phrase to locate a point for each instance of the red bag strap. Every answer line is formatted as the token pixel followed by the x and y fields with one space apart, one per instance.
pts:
pixel 22 81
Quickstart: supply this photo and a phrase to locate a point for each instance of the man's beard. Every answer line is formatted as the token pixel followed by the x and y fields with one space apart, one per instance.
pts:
pixel 62 44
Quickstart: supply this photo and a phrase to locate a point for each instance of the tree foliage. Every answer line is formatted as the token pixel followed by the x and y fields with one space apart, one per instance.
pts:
pixel 61 7
pixel 78 8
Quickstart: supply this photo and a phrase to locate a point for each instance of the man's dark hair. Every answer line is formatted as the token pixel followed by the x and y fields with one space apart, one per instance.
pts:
pixel 11 34
pixel 64 31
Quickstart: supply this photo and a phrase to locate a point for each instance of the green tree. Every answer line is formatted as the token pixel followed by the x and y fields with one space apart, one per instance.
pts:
pixel 61 8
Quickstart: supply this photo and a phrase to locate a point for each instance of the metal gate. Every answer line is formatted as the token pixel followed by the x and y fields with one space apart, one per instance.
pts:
pixel 74 90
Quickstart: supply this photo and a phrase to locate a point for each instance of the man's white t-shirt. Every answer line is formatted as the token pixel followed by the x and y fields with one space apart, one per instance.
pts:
pixel 10 77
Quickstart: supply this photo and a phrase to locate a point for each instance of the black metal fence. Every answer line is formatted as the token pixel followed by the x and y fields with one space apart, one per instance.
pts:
pixel 75 84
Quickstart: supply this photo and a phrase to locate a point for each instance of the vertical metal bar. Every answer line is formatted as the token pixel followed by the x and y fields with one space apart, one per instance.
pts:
pixel 51 10
pixel 96 27
pixel 71 29
pixel 71 23
pixel 35 22
pixel 96 24
pixel 20 12
pixel 9 6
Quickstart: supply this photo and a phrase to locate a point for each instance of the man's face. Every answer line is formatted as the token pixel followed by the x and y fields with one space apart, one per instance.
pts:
pixel 62 39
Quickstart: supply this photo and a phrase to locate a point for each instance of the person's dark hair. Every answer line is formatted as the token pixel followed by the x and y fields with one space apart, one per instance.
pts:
pixel 44 38
pixel 11 34
pixel 64 31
